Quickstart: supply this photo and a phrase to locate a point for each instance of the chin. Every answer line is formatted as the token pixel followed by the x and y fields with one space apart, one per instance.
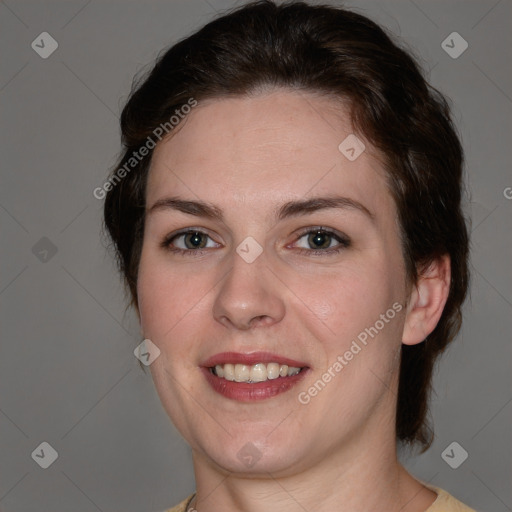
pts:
pixel 253 456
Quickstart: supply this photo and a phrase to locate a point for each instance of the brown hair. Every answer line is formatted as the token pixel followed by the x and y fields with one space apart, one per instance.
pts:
pixel 325 49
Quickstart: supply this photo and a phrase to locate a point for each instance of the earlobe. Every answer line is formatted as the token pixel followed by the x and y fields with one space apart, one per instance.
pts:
pixel 427 300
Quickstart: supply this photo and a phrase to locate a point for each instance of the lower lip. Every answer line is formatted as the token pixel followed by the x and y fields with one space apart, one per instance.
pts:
pixel 246 392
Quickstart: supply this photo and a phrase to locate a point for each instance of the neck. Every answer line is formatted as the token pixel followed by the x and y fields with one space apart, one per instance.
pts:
pixel 356 479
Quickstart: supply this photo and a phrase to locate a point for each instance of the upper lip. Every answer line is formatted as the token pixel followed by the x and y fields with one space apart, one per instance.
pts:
pixel 250 359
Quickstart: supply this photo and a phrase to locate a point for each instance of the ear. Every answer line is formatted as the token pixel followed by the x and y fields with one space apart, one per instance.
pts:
pixel 427 300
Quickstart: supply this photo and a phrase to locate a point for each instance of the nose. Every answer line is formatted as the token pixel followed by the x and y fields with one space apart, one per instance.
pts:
pixel 250 296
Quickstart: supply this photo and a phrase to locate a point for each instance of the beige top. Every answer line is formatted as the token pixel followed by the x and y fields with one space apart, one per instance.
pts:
pixel 444 503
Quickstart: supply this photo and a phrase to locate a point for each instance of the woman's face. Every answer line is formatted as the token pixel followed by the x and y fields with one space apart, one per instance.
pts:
pixel 262 280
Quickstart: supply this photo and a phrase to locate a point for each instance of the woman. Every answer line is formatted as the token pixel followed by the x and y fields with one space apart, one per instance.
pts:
pixel 287 218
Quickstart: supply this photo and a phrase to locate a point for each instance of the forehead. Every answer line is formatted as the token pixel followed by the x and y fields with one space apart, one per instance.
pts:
pixel 263 149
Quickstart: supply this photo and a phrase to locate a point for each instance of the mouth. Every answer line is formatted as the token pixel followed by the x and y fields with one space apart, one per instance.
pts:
pixel 255 376
pixel 259 372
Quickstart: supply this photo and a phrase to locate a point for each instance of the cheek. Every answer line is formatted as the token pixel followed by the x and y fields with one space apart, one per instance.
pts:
pixel 170 309
pixel 165 295
pixel 351 298
pixel 152 298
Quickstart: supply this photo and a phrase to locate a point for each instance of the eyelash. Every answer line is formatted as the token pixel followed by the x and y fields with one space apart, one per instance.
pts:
pixel 344 242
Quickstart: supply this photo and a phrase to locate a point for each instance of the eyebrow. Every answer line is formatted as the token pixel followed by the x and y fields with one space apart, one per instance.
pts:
pixel 288 209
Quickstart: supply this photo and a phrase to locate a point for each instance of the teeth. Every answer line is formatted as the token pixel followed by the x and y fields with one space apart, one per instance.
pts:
pixel 229 372
pixel 256 373
pixel 272 371
pixel 242 372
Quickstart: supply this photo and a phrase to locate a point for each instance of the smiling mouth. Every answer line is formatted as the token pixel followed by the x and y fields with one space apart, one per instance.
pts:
pixel 259 372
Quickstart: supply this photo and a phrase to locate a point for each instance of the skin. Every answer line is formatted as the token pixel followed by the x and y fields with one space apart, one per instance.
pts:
pixel 248 156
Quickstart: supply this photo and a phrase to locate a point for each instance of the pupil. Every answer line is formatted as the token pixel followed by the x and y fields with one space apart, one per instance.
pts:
pixel 319 238
pixel 196 239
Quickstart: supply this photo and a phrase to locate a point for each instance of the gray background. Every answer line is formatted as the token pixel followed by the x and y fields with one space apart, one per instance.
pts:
pixel 68 375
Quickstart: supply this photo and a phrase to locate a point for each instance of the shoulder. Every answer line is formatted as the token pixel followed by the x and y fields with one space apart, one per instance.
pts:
pixel 181 506
pixel 445 502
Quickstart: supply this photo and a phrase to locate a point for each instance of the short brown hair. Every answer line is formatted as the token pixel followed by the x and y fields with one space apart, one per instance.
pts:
pixel 331 50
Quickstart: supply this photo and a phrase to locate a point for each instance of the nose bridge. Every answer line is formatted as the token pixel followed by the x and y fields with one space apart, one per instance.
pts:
pixel 249 294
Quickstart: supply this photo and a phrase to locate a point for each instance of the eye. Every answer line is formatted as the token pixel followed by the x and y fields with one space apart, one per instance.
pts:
pixel 321 240
pixel 193 241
